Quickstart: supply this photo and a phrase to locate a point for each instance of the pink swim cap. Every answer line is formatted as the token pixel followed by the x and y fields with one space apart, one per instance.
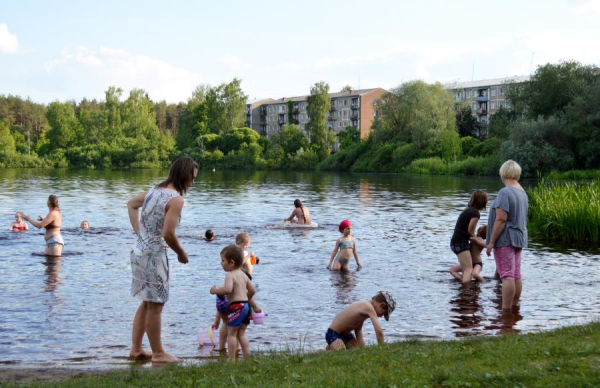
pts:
pixel 345 224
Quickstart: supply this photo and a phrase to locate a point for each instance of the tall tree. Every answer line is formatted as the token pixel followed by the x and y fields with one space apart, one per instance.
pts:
pixel 65 129
pixel 113 114
pixel 319 104
pixel 7 143
pixel 466 123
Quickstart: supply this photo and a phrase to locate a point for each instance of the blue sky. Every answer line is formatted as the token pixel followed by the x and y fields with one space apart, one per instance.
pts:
pixel 59 50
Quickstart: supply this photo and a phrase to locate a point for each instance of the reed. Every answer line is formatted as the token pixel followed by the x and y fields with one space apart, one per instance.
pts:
pixel 565 211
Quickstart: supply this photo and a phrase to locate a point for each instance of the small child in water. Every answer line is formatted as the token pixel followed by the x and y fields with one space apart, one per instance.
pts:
pixel 85 225
pixel 346 245
pixel 339 335
pixel 237 288
pixel 242 240
pixel 18 224
pixel 209 235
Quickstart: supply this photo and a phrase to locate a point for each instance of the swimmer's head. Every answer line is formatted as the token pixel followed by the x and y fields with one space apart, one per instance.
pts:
pixel 478 200
pixel 297 203
pixel 344 225
pixel 232 257
pixel 242 240
pixel 209 235
pixel 482 231
pixel 18 216
pixel 85 225
pixel 53 202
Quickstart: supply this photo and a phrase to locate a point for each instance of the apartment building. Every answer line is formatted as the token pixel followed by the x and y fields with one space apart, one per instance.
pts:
pixel 356 108
pixel 484 96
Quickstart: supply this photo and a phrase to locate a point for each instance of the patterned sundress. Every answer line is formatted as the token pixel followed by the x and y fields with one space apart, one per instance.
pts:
pixel 149 262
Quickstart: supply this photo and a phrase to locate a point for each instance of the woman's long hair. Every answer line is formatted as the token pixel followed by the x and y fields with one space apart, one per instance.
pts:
pixel 53 201
pixel 182 171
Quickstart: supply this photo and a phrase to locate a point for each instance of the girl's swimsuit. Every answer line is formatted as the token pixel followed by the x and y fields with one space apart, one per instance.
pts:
pixel 16 227
pixel 345 245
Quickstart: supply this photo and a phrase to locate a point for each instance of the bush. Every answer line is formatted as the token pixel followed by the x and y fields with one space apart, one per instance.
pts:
pixel 485 148
pixel 468 143
pixel 375 160
pixel 344 159
pixel 304 160
pixel 489 165
pixel 434 166
pixel 404 155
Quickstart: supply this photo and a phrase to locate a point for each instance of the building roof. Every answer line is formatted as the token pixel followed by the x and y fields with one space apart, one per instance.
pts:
pixel 259 102
pixel 486 82
pixel 352 93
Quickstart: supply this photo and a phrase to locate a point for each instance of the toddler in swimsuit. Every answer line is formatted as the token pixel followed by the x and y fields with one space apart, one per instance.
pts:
pixel 345 247
pixel 19 225
pixel 239 290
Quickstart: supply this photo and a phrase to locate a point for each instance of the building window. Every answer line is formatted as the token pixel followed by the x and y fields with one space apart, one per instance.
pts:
pixel 501 91
pixel 493 104
pixel 493 92
pixel 474 106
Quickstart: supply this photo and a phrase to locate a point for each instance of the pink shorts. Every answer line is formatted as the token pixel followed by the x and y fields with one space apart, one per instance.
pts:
pixel 508 262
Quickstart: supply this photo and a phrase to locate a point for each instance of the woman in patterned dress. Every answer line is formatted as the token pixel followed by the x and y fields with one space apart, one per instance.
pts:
pixel 155 229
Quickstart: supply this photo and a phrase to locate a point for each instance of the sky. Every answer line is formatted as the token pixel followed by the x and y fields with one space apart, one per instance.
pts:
pixel 68 50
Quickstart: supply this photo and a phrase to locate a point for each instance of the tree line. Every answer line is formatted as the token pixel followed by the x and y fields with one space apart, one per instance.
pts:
pixel 554 126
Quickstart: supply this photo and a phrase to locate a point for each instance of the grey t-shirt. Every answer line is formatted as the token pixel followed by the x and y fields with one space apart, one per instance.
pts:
pixel 514 202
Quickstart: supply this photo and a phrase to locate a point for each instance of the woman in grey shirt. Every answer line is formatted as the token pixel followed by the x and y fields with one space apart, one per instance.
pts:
pixel 507 232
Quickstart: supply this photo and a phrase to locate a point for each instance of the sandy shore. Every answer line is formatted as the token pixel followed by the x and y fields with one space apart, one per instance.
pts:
pixel 17 375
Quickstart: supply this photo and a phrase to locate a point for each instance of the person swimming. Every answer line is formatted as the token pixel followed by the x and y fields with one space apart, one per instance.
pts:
pixel 18 225
pixel 301 214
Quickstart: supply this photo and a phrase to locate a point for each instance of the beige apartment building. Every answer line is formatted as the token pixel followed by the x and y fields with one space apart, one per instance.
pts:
pixel 484 97
pixel 356 108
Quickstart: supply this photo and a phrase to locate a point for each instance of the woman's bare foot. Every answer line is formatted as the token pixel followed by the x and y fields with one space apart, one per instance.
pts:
pixel 140 355
pixel 164 358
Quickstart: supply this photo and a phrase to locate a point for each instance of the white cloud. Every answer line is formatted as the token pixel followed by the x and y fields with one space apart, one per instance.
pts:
pixel 589 6
pixel 234 62
pixel 8 41
pixel 109 66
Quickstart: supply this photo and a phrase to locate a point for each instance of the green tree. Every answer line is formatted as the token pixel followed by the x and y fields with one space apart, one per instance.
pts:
pixel 318 106
pixel 348 136
pixel 139 116
pixel 7 143
pixel 291 139
pixel 65 129
pixel 290 111
pixel 466 123
pixel 346 89
pixel 113 114
pixel 415 112
pixel 500 122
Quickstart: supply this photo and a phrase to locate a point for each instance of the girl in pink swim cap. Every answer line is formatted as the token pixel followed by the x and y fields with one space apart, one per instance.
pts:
pixel 345 247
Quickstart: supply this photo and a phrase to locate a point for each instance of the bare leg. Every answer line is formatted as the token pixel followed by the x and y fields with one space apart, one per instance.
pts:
pixel 508 293
pixel 137 333
pixel 232 342
pixel 476 273
pixel 338 344
pixel 223 334
pixel 464 258
pixel 518 289
pixel 455 271
pixel 153 328
pixel 243 340
pixel 353 343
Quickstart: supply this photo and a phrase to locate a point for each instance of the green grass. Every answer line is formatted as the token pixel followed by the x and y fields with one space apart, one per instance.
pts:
pixel 566 357
pixel 574 175
pixel 565 211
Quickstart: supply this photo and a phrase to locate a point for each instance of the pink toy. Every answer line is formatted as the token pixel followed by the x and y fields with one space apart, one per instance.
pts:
pixel 258 318
pixel 205 337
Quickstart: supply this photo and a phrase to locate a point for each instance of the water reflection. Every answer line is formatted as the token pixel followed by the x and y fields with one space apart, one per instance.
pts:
pixel 52 281
pixel 466 306
pixel 344 283
pixel 506 320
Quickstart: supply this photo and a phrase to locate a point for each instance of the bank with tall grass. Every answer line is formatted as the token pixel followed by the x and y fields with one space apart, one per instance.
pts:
pixel 566 357
pixel 565 211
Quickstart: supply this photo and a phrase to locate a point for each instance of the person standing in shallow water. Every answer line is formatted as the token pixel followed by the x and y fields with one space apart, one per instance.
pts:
pixel 507 233
pixel 301 214
pixel 155 229
pixel 52 223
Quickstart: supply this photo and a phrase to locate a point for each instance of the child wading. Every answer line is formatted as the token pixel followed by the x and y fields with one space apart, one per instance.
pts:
pixel 461 243
pixel 239 290
pixel 339 335
pixel 346 245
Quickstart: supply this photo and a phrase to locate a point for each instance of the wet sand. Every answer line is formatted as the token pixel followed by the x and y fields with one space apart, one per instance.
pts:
pixel 16 375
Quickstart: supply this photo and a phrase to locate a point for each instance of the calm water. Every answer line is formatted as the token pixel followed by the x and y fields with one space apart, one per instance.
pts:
pixel 78 311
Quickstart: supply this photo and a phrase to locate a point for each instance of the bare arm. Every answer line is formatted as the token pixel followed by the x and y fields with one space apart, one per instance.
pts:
pixel 335 250
pixel 498 227
pixel 251 290
pixel 227 287
pixel 43 223
pixel 478 241
pixel 359 335
pixel 291 217
pixel 356 254
pixel 473 226
pixel 376 326
pixel 254 306
pixel 172 213
pixel 133 209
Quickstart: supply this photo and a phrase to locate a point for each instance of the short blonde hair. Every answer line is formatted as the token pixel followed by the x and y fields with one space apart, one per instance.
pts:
pixel 242 238
pixel 510 170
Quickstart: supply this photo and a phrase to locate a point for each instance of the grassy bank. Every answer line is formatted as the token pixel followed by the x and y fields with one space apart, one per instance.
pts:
pixel 564 357
pixel 565 211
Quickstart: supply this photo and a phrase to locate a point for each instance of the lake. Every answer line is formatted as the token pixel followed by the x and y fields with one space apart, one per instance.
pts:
pixel 77 310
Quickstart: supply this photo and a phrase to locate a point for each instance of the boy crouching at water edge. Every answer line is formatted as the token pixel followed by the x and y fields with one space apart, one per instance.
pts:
pixel 239 290
pixel 339 335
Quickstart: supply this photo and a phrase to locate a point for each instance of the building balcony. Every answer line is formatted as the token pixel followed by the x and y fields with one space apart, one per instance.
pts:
pixel 354 106
pixel 281 120
pixel 354 116
pixel 332 108
pixel 249 123
pixel 331 118
pixel 481 98
pixel 263 111
pixel 296 111
pixel 280 113
pixel 482 111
